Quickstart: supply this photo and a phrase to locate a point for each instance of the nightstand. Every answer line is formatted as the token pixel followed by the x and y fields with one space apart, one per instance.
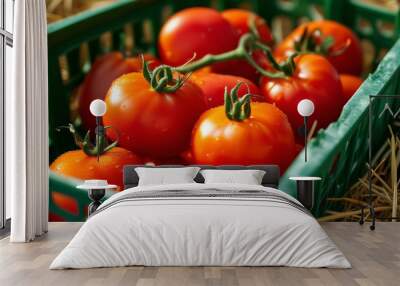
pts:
pixel 305 190
pixel 96 191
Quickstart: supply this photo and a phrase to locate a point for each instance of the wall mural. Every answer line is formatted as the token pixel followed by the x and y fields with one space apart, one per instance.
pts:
pixel 206 86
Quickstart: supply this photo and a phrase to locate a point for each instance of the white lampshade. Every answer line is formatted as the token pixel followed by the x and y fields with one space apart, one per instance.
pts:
pixel 305 107
pixel 98 107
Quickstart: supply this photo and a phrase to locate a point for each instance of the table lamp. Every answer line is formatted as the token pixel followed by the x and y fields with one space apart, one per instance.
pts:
pixel 305 108
pixel 98 108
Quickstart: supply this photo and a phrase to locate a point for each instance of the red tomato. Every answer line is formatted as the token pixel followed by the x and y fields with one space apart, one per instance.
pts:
pixel 187 157
pixel 55 217
pixel 242 68
pixel 103 72
pixel 314 78
pixel 265 137
pixel 165 161
pixel 350 85
pixel 350 61
pixel 78 165
pixel 66 203
pixel 299 148
pixel 199 31
pixel 213 87
pixel 152 124
pixel 240 20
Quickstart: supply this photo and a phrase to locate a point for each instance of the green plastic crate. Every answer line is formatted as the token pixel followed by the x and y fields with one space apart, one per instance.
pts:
pixel 337 154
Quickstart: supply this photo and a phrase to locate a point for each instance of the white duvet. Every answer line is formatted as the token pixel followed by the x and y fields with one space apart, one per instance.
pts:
pixel 200 231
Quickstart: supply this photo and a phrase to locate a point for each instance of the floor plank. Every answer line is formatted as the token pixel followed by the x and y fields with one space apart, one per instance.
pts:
pixel 375 257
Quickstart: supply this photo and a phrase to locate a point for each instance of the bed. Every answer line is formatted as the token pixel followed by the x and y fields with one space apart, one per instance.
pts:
pixel 199 224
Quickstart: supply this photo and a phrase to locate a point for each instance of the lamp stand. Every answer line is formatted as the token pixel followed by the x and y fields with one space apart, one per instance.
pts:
pixel 99 134
pixel 305 138
pixel 95 195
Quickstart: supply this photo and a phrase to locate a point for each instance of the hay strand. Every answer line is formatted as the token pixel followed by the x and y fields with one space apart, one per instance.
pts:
pixel 384 186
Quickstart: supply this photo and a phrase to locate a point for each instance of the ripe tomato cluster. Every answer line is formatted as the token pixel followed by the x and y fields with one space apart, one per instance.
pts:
pixel 212 98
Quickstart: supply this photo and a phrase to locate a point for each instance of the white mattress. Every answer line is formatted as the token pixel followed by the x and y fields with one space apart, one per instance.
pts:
pixel 200 231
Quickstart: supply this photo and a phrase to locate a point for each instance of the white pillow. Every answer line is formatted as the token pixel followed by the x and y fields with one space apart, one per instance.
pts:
pixel 248 177
pixel 162 176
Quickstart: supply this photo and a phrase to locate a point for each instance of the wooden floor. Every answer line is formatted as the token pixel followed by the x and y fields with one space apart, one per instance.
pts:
pixel 375 257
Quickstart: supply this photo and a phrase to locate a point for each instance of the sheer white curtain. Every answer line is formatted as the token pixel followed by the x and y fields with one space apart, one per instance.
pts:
pixel 26 124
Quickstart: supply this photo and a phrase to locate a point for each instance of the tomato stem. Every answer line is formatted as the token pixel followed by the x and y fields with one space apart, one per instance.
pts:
pixel 247 43
pixel 315 42
pixel 87 147
pixel 287 67
pixel 237 109
pixel 162 80
pixel 252 22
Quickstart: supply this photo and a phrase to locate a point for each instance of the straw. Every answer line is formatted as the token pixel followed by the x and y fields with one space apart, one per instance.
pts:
pixel 384 186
